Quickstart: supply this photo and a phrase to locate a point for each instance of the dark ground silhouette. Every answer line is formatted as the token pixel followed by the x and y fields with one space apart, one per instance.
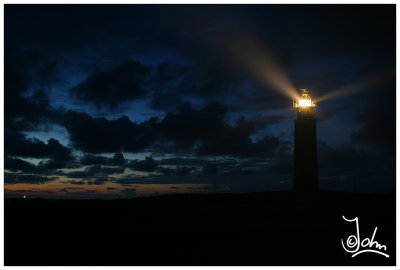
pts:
pixel 275 228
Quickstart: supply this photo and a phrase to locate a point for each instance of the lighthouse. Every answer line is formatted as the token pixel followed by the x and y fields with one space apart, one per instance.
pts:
pixel 305 145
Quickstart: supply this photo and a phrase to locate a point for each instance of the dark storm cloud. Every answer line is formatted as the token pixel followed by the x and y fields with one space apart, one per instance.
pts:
pixel 112 87
pixel 16 164
pixel 209 127
pixel 16 144
pixel 168 86
pixel 100 166
pixel 15 178
pixel 178 171
pixel 184 129
pixel 28 75
pixel 86 174
pixel 149 164
pixel 43 167
pixel 182 161
pixel 99 135
pixel 99 180
pixel 27 109
pixel 29 112
pixel 104 170
pixel 182 171
pixel 94 171
pixel 54 164
pixel 197 124
pixel 117 160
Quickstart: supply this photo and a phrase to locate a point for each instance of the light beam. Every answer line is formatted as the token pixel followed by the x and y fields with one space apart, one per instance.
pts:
pixel 361 85
pixel 254 56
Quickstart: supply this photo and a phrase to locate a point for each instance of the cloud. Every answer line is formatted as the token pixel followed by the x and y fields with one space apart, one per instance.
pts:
pixel 149 164
pixel 15 178
pixel 112 87
pixel 26 113
pixel 178 171
pixel 117 160
pixel 104 170
pixel 43 167
pixel 182 161
pixel 53 154
pixel 198 124
pixel 99 135
pixel 94 171
pixel 16 144
pixel 16 164
pixel 184 130
pixel 28 76
pixel 182 171
pixel 206 132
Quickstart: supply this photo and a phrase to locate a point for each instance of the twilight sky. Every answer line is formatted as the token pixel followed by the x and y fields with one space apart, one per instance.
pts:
pixel 118 101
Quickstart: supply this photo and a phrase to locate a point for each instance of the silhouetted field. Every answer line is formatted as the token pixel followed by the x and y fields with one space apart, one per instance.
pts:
pixel 276 228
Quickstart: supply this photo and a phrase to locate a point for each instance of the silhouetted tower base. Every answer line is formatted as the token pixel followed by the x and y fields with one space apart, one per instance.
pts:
pixel 305 146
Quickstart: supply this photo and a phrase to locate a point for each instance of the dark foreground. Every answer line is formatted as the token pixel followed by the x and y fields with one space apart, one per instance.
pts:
pixel 245 229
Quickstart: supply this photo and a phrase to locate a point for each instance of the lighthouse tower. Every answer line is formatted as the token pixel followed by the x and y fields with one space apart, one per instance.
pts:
pixel 305 145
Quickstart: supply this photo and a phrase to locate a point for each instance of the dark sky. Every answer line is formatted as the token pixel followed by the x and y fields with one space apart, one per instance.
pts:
pixel 105 101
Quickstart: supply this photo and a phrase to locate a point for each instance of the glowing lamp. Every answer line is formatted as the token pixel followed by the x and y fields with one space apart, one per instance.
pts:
pixel 304 100
pixel 304 103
